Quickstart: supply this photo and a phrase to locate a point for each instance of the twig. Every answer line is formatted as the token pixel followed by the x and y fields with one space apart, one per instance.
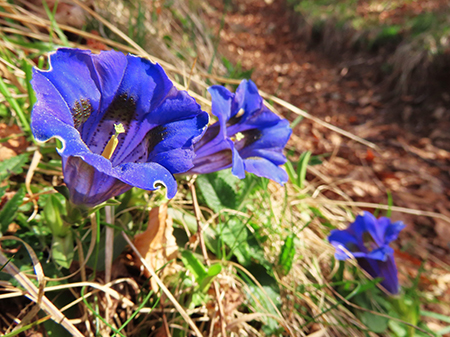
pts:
pixel 161 285
pixel 34 163
pixel 197 213
pixel 109 252
pixel 190 74
pixel 109 248
pixel 384 207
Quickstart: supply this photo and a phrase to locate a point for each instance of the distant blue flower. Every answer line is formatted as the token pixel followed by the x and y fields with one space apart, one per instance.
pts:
pixel 84 99
pixel 247 137
pixel 367 239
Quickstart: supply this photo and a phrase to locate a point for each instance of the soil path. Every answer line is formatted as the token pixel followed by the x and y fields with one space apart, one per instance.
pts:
pixel 257 34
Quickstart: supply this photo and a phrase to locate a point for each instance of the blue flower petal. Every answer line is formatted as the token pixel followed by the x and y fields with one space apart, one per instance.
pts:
pixel 238 167
pixel 91 180
pixel 267 143
pixel 142 89
pixel 392 231
pixel 148 176
pixel 221 102
pixel 265 168
pixel 389 274
pixel 376 227
pixel 110 70
pixel 381 253
pixel 217 161
pixel 50 106
pixel 247 98
pixel 68 69
pixel 80 177
pixel 342 238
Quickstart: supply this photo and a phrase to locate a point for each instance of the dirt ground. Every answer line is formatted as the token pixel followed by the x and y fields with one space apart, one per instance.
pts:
pixel 413 160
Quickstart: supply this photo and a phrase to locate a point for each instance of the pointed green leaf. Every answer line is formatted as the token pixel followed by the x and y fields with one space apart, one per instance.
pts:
pixel 213 271
pixel 53 215
pixel 302 165
pixel 209 193
pixel 62 249
pixel 8 212
pixel 12 165
pixel 193 264
pixel 219 189
pixel 287 255
pixel 291 172
pixel 3 190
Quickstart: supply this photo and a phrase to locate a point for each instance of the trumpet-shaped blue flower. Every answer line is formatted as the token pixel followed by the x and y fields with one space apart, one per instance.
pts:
pixel 121 122
pixel 368 239
pixel 246 137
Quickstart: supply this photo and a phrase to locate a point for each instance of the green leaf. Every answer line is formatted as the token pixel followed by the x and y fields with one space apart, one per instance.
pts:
pixel 194 265
pixel 302 165
pixel 390 204
pixel 440 317
pixel 3 190
pixel 372 301
pixel 203 276
pixel 263 297
pixel 287 255
pixel 219 189
pixel 53 215
pixel 213 271
pixel 28 69
pixel 63 190
pixel 377 324
pixel 296 122
pixel 62 249
pixel 23 118
pixel 291 171
pixel 8 212
pixel 209 193
pixel 12 165
pixel 186 219
pixel 234 234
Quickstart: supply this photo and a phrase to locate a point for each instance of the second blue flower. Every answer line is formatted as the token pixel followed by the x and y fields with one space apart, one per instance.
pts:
pixel 247 137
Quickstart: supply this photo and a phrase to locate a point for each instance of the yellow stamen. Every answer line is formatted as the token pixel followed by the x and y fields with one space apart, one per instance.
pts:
pixel 113 142
pixel 239 136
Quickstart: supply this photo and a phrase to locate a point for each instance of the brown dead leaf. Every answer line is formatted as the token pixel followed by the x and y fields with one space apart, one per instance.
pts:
pixel 13 146
pixel 157 244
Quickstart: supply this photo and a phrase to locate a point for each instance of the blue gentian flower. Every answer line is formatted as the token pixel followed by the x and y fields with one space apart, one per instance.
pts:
pixel 121 122
pixel 367 239
pixel 247 137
